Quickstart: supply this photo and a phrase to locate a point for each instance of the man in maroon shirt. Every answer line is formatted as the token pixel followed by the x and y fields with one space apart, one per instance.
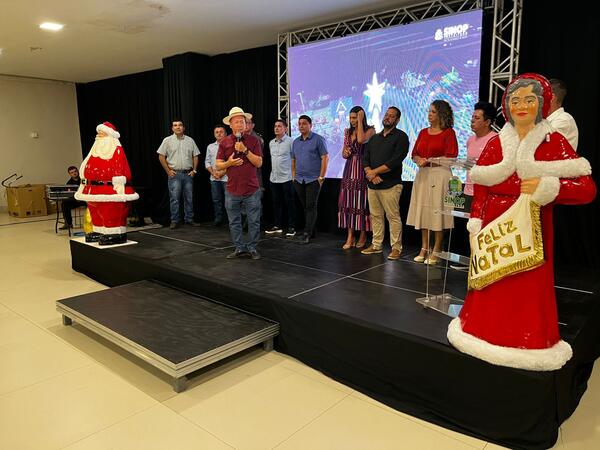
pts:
pixel 240 155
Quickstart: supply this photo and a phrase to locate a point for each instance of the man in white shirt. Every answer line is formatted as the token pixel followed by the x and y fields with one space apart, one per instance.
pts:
pixel 218 178
pixel 282 188
pixel 178 155
pixel 561 120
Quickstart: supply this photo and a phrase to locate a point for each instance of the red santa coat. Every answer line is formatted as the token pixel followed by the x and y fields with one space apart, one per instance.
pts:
pixel 114 170
pixel 108 207
pixel 513 322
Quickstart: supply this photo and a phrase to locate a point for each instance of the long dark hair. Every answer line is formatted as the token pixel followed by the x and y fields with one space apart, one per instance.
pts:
pixel 356 109
pixel 445 113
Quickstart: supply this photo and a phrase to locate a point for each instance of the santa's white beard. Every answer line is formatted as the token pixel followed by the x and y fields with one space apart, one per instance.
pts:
pixel 104 147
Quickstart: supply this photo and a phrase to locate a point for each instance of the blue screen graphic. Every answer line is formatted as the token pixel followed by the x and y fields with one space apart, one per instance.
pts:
pixel 406 66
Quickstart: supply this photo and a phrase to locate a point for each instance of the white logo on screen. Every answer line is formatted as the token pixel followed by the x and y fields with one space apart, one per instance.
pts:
pixel 452 33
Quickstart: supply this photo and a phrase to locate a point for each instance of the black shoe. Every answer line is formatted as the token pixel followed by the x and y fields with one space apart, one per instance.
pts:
pixel 304 238
pixel 217 223
pixel 173 225
pixel 254 254
pixel 290 233
pixel 112 239
pixel 92 237
pixel 236 254
pixel 66 226
pixel 193 224
pixel 274 230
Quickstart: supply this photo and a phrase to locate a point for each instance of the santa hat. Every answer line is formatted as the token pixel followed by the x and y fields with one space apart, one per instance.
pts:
pixel 109 129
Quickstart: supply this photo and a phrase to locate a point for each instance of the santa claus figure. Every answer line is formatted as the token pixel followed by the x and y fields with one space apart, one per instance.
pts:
pixel 511 318
pixel 105 186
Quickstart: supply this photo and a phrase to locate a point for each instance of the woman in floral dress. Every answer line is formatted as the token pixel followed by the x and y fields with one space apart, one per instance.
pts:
pixel 353 212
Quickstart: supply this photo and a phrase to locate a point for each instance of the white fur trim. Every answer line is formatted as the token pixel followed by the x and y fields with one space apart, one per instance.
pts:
pixel 497 173
pixel 546 191
pixel 79 195
pixel 519 156
pixel 474 225
pixel 564 168
pixel 108 131
pixel 82 167
pixel 119 180
pixel 102 198
pixel 530 143
pixel 546 359
pixel 110 230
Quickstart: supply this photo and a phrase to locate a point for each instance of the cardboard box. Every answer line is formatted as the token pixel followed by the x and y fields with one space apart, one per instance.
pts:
pixel 50 206
pixel 27 200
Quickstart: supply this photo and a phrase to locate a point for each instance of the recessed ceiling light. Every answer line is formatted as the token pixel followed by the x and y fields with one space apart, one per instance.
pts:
pixel 51 26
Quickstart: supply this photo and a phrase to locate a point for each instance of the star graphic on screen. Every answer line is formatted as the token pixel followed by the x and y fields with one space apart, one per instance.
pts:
pixel 375 91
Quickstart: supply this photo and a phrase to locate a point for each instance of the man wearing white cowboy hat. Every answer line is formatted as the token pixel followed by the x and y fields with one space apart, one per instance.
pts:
pixel 241 154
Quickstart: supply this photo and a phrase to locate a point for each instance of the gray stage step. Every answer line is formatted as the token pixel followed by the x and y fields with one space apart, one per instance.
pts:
pixel 175 331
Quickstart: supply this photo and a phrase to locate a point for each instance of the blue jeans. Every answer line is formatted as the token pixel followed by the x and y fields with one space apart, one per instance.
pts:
pixel 181 182
pixel 233 205
pixel 217 189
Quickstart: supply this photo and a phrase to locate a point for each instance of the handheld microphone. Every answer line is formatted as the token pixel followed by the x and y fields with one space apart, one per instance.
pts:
pixel 238 136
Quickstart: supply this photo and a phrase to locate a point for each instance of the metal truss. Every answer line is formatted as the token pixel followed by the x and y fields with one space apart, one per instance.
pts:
pixel 506 40
pixel 507 29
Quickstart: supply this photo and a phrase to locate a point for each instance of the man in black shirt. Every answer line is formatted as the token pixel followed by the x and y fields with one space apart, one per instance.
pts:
pixel 383 168
pixel 70 204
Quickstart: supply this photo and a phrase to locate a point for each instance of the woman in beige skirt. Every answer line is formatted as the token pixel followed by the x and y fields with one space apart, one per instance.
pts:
pixel 427 198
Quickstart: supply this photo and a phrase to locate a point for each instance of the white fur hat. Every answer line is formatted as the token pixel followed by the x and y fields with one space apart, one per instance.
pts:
pixel 109 129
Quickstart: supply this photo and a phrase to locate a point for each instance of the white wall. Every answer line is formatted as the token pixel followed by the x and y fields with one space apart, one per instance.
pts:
pixel 48 108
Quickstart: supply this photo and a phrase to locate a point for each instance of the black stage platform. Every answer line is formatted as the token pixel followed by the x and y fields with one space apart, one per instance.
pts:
pixel 177 332
pixel 354 317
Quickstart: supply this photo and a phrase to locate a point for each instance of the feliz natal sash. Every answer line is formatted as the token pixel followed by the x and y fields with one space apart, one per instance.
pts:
pixel 510 244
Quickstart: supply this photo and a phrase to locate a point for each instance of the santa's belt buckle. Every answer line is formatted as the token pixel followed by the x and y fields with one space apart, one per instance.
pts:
pixel 96 183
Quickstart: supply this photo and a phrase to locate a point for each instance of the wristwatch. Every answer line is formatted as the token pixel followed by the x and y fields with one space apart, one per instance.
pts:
pixel 321 178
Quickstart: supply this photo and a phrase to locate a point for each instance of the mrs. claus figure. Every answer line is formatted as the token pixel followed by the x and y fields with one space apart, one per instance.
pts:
pixel 511 320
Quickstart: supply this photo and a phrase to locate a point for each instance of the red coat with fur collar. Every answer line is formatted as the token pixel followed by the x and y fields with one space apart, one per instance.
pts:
pixel 519 311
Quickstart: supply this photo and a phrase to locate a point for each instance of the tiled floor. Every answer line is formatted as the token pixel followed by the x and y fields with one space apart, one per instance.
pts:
pixel 62 387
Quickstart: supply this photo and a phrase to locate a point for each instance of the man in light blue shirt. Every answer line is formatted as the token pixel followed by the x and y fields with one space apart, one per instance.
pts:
pixel 309 165
pixel 282 189
pixel 178 155
pixel 218 178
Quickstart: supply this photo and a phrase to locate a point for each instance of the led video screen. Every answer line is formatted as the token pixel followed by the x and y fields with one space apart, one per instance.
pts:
pixel 405 66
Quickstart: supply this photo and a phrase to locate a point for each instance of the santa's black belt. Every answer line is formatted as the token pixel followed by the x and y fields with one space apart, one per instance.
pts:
pixel 99 183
